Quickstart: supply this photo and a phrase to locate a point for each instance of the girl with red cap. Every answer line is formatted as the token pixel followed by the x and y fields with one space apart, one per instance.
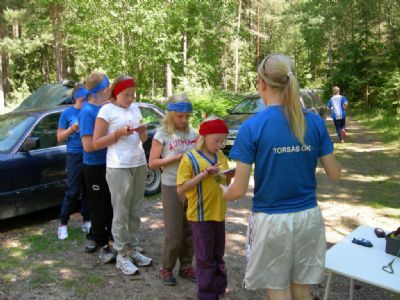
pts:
pixel 118 127
pixel 198 179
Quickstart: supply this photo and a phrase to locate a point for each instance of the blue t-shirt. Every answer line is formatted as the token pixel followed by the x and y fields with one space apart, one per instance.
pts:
pixel 336 103
pixel 68 118
pixel 87 119
pixel 284 174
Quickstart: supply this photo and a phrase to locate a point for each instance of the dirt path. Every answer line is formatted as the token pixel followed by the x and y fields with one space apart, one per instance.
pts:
pixel 62 271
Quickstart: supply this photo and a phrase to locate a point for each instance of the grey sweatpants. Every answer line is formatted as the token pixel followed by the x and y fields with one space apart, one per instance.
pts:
pixel 127 195
pixel 178 243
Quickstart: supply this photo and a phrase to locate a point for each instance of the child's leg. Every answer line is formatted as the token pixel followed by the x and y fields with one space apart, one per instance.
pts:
pixel 186 250
pixel 204 238
pixel 173 220
pixel 120 184
pixel 138 181
pixel 220 275
pixel 74 180
pixel 338 129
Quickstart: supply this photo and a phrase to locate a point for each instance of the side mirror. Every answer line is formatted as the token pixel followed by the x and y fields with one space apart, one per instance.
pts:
pixel 31 143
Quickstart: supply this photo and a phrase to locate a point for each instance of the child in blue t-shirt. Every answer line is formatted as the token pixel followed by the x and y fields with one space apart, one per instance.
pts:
pixel 68 129
pixel 94 167
pixel 286 236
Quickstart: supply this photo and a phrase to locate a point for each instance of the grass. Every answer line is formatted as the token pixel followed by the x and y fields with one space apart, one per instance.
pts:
pixel 387 124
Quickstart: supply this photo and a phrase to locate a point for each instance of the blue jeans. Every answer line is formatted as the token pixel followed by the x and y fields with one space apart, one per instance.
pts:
pixel 75 189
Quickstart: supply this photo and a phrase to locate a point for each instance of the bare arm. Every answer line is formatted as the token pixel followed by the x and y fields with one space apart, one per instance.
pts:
pixel 241 182
pixel 63 134
pixel 155 161
pixel 331 166
pixel 87 143
pixel 142 131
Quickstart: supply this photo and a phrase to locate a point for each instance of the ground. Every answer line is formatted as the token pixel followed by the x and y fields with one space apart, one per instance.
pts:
pixel 35 265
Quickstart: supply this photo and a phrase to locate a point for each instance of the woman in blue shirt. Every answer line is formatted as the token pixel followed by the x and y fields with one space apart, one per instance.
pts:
pixel 286 237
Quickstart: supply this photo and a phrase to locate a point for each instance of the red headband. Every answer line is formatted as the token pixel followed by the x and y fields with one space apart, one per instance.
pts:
pixel 122 85
pixel 213 126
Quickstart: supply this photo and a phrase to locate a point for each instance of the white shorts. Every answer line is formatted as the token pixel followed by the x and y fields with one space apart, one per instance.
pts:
pixel 285 248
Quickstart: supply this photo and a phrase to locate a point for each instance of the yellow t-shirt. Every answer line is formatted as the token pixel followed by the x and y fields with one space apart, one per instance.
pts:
pixel 205 201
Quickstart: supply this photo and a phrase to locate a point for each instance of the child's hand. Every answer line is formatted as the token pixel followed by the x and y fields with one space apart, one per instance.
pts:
pixel 140 129
pixel 75 127
pixel 224 188
pixel 125 131
pixel 211 169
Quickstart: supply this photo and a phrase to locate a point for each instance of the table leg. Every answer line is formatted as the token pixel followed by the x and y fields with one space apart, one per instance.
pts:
pixel 351 288
pixel 328 286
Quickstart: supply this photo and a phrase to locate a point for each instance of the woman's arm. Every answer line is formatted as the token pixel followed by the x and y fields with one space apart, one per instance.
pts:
pixel 87 143
pixel 240 184
pixel 155 161
pixel 331 166
pixel 63 134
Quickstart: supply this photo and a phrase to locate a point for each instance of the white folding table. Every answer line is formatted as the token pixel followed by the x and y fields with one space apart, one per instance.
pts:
pixel 362 263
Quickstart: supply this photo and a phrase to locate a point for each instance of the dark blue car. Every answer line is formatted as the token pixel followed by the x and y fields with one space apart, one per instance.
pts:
pixel 32 163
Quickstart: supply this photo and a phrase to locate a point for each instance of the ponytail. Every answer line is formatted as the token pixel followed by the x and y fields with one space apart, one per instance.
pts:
pixel 277 70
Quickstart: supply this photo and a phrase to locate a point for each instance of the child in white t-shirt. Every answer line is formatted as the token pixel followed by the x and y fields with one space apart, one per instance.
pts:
pixel 118 127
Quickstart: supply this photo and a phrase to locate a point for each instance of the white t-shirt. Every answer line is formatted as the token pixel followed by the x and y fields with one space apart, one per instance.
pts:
pixel 176 143
pixel 128 151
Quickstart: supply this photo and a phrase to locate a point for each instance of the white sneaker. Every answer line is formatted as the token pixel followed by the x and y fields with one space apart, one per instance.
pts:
pixel 140 259
pixel 125 265
pixel 86 226
pixel 62 232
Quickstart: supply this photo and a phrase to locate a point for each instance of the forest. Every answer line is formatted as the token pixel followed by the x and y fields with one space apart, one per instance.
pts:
pixel 195 46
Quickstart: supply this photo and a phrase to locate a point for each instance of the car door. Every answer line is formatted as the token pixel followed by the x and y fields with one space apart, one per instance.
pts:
pixel 39 173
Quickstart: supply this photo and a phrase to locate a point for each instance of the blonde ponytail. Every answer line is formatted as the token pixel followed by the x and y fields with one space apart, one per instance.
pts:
pixel 277 70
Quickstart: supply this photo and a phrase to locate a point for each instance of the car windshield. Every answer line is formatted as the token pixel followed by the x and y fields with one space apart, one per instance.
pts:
pixel 249 106
pixel 12 128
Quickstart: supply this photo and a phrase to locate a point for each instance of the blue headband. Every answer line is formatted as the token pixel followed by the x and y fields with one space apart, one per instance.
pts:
pixel 82 92
pixel 101 86
pixel 180 107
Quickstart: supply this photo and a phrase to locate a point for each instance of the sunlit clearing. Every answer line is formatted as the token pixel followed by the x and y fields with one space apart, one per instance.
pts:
pixel 49 262
pixel 362 178
pixel 66 273
pixel 237 237
pixel 144 219
pixel 157 224
pixel 236 220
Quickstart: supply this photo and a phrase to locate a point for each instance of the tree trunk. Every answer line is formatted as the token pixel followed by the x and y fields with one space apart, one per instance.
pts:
pixel 4 83
pixel 45 64
pixel 223 65
pixel 185 49
pixel 168 80
pixel 257 33
pixel 55 16
pixel 236 62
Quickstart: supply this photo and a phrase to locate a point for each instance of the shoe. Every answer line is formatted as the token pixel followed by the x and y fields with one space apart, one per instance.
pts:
pixel 108 254
pixel 188 272
pixel 126 266
pixel 62 232
pixel 138 249
pixel 342 141
pixel 167 277
pixel 344 133
pixel 90 246
pixel 86 226
pixel 140 259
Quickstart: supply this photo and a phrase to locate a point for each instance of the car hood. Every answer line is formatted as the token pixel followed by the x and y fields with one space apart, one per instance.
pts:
pixel 234 121
pixel 47 96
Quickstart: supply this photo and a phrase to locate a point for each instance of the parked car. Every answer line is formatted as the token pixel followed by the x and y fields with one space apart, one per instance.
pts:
pixel 32 163
pixel 253 104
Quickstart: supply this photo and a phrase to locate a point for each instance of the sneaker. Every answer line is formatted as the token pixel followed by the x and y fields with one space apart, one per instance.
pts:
pixel 188 272
pixel 107 254
pixel 90 246
pixel 62 232
pixel 86 226
pixel 344 133
pixel 140 259
pixel 167 277
pixel 126 266
pixel 138 249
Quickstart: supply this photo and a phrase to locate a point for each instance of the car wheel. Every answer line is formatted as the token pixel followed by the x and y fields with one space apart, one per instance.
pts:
pixel 153 182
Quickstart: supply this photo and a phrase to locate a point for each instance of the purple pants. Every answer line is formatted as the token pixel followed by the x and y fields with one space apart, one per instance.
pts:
pixel 209 247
